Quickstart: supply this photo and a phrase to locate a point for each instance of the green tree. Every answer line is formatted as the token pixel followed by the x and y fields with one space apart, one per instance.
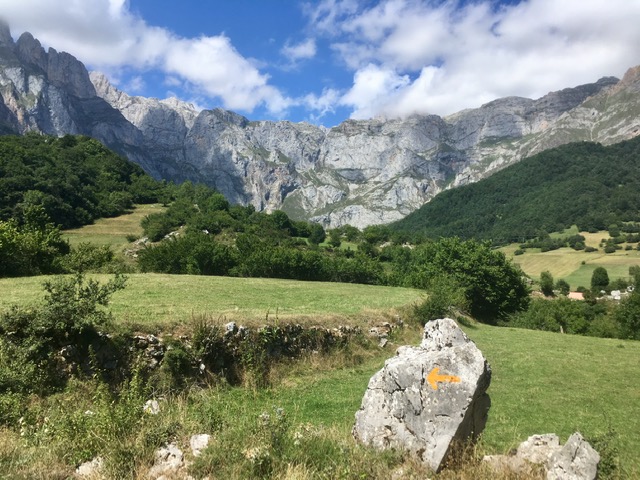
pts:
pixel 563 287
pixel 334 238
pixel 546 283
pixel 599 280
pixel 445 298
pixel 317 235
pixel 627 316
pixel 494 287
pixel 32 248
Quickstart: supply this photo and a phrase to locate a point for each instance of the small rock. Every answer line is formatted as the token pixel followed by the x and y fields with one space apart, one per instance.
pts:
pixel 168 460
pixel 576 460
pixel 199 443
pixel 538 448
pixel 90 469
pixel 152 407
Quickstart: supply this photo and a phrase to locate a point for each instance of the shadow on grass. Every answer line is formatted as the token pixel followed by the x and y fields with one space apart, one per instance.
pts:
pixel 465 322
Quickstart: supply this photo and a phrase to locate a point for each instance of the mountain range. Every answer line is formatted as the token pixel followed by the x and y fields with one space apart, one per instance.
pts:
pixel 359 172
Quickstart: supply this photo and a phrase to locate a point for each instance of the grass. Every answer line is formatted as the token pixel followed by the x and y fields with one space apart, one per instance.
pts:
pixel 113 231
pixel 546 382
pixel 160 299
pixel 541 383
pixel 575 266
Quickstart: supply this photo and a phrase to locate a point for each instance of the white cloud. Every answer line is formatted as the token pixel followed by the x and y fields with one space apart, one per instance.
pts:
pixel 374 90
pixel 136 84
pixel 419 56
pixel 106 35
pixel 300 51
pixel 324 103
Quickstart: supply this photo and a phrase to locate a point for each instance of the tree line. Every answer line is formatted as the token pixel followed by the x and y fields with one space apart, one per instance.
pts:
pixel 584 184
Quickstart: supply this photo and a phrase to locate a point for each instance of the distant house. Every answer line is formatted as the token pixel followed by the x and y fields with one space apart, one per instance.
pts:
pixel 575 296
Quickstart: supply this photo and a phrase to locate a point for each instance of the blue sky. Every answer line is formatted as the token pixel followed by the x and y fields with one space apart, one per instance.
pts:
pixel 324 61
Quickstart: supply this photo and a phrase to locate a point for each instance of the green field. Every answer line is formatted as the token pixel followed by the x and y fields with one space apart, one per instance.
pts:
pixel 113 231
pixel 541 383
pixel 161 299
pixel 575 266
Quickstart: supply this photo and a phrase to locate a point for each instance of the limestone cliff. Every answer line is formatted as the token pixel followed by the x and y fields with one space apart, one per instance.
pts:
pixel 359 172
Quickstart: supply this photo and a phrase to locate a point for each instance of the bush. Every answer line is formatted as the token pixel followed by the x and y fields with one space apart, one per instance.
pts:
pixel 599 279
pixel 87 257
pixel 627 316
pixel 70 318
pixel 32 248
pixel 563 287
pixel 546 283
pixel 494 287
pixel 193 253
pixel 445 297
pixel 557 315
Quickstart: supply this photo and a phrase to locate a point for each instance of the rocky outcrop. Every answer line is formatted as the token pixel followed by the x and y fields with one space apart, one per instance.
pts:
pixel 359 172
pixel 575 460
pixel 429 398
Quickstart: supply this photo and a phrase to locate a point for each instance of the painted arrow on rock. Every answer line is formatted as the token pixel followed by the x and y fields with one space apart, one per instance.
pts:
pixel 434 377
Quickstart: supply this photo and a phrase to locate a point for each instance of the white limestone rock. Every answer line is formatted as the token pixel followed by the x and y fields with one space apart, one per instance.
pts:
pixel 427 398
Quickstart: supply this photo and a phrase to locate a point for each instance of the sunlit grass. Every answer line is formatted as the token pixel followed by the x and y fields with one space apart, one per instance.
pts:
pixel 113 231
pixel 575 266
pixel 160 299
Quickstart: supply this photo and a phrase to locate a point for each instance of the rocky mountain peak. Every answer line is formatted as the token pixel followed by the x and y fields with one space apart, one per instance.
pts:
pixel 66 72
pixel 5 34
pixel 361 172
pixel 631 79
pixel 30 52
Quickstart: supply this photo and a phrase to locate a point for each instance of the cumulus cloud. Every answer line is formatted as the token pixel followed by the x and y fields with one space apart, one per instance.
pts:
pixel 300 51
pixel 413 56
pixel 105 34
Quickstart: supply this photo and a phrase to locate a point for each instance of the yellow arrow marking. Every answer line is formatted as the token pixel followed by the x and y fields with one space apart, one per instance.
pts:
pixel 433 378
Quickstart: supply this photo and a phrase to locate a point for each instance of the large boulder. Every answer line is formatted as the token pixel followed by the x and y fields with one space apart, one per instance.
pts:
pixel 427 398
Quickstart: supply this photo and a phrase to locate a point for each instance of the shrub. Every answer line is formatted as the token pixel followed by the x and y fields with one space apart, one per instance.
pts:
pixel 627 316
pixel 32 248
pixel 563 287
pixel 444 297
pixel 87 257
pixel 599 279
pixel 72 313
pixel 494 287
pixel 546 283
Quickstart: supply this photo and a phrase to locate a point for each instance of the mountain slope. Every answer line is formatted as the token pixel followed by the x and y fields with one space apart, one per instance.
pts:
pixel 582 183
pixel 359 172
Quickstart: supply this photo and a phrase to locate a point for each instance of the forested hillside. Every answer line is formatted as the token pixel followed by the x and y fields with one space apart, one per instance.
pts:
pixel 74 179
pixel 581 183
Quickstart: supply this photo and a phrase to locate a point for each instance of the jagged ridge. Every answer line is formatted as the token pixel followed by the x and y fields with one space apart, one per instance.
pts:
pixel 359 172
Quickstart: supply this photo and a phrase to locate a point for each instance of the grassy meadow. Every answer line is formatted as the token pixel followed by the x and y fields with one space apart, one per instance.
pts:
pixel 542 382
pixel 113 231
pixel 572 265
pixel 155 299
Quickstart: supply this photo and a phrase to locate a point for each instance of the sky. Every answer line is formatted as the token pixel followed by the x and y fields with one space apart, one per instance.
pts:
pixel 325 61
